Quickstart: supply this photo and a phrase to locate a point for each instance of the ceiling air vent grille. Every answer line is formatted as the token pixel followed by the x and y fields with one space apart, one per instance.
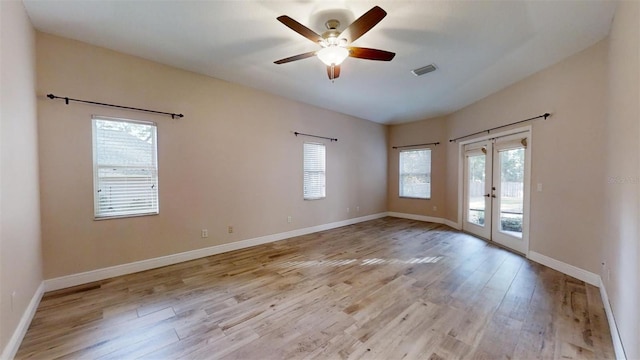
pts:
pixel 424 70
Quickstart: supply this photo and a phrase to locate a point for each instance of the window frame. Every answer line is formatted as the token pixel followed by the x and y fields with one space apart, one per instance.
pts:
pixel 97 215
pixel 400 173
pixel 323 172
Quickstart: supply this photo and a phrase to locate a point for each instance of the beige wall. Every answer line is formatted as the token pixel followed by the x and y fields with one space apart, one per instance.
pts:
pixel 421 132
pixel 586 156
pixel 20 256
pixel 232 160
pixel 566 153
pixel 621 237
pixel 209 159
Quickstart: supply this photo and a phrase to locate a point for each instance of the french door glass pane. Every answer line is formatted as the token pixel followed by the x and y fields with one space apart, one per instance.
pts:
pixel 476 186
pixel 511 191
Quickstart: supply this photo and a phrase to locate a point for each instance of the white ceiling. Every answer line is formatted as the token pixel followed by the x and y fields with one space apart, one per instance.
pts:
pixel 479 47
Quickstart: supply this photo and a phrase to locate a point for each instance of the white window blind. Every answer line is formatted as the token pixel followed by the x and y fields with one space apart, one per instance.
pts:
pixel 125 168
pixel 314 171
pixel 415 173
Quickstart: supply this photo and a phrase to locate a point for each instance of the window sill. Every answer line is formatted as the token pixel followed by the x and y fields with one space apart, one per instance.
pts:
pixel 100 218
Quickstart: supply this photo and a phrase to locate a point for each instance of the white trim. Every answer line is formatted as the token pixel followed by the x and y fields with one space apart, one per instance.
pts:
pixel 576 272
pixel 461 145
pixel 528 129
pixel 13 345
pixel 452 224
pixel 589 278
pixel 615 335
pixel 130 268
pixel 432 219
pixel 492 136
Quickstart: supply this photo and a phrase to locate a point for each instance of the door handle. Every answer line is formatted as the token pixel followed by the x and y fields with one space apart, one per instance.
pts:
pixel 487 195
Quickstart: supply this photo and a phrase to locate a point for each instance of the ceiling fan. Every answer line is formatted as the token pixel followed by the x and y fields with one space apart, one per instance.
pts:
pixel 334 43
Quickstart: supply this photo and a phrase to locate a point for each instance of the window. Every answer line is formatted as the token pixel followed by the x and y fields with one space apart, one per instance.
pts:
pixel 415 173
pixel 314 171
pixel 125 168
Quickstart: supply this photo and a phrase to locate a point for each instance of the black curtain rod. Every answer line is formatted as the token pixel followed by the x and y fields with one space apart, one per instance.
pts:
pixel 406 146
pixel 315 136
pixel 67 99
pixel 545 116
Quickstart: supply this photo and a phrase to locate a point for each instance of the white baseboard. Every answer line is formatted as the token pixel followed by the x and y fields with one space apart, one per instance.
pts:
pixel 613 327
pixel 13 345
pixel 95 275
pixel 425 218
pixel 452 224
pixel 130 268
pixel 576 272
pixel 589 278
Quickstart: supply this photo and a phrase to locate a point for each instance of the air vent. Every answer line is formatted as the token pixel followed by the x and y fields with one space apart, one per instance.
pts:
pixel 424 70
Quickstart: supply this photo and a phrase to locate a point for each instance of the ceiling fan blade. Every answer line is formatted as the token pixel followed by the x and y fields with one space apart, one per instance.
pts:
pixel 363 24
pixel 295 57
pixel 370 54
pixel 300 29
pixel 333 71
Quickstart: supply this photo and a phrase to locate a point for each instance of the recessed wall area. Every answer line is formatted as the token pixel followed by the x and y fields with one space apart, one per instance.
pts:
pixel 233 166
pixel 574 91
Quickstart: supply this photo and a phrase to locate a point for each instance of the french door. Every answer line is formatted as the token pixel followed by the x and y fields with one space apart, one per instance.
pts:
pixel 496 188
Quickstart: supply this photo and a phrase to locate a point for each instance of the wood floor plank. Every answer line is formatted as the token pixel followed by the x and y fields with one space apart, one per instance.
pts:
pixel 382 289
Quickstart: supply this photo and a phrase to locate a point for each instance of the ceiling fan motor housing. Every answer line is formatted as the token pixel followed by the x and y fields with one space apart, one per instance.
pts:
pixel 331 35
pixel 332 24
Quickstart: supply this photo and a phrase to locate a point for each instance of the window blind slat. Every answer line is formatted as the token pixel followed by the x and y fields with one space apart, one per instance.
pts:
pixel 126 172
pixel 314 184
pixel 415 173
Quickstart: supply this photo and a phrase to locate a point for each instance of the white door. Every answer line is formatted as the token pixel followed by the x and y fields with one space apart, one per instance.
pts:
pixel 511 183
pixel 496 187
pixel 477 189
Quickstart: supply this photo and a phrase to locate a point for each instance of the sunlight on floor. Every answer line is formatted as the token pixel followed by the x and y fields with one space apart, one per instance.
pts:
pixel 364 262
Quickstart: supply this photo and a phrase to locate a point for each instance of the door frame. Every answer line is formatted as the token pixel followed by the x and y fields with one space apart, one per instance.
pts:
pixel 469 227
pixel 527 186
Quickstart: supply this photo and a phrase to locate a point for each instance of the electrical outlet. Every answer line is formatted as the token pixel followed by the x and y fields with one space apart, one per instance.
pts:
pixel 230 229
pixel 347 210
pixel 435 208
pixel 13 299
pixel 289 219
pixel 204 233
pixel 357 208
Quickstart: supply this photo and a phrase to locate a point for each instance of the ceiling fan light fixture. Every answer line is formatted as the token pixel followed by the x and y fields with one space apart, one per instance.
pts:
pixel 332 55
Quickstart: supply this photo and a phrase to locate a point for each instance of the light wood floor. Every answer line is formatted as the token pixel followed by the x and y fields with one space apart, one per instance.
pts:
pixel 384 289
